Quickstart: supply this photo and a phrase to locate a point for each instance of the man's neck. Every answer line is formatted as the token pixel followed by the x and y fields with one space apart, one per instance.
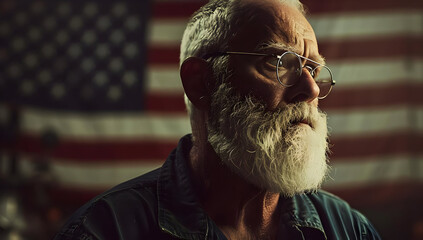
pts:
pixel 240 209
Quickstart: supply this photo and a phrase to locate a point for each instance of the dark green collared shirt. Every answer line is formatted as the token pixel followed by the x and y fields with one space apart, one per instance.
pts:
pixel 162 204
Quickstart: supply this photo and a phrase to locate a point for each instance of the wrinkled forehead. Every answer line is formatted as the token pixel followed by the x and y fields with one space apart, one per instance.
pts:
pixel 292 24
pixel 271 21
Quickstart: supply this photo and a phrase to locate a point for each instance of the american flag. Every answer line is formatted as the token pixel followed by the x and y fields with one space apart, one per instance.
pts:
pixel 91 91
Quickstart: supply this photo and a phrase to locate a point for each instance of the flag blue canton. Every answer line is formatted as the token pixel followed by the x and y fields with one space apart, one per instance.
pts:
pixel 73 55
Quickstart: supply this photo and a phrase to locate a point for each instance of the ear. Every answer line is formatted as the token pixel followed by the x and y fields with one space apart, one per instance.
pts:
pixel 196 76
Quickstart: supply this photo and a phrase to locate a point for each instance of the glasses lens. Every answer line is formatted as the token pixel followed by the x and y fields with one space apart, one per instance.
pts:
pixel 289 69
pixel 323 78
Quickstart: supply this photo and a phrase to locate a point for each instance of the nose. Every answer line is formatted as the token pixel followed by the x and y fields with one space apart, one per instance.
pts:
pixel 305 89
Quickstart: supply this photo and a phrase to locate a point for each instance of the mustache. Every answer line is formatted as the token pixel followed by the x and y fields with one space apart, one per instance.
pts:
pixel 300 113
pixel 285 116
pixel 229 110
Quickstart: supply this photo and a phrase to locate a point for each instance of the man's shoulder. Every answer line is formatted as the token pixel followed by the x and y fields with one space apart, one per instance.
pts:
pixel 330 204
pixel 144 185
pixel 110 213
pixel 328 199
pixel 337 215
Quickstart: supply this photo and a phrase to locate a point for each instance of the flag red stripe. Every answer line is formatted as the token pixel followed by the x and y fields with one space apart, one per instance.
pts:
pixel 161 102
pixel 385 192
pixel 161 55
pixel 97 150
pixel 395 46
pixel 332 50
pixel 339 7
pixel 383 144
pixel 375 96
pixel 347 98
pixel 72 196
pixel 176 9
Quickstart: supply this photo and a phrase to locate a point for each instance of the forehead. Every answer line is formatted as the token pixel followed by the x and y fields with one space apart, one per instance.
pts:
pixel 271 21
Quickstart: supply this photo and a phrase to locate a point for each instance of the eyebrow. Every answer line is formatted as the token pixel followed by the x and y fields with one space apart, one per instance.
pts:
pixel 272 47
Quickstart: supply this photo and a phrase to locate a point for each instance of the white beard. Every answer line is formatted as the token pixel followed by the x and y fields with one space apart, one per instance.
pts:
pixel 269 148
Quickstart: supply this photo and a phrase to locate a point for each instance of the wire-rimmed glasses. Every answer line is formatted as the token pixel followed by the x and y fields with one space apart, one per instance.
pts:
pixel 289 69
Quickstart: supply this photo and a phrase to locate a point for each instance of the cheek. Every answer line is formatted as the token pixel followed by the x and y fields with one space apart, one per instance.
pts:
pixel 250 81
pixel 271 95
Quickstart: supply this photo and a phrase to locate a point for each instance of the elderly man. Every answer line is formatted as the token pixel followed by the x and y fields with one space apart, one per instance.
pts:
pixel 251 169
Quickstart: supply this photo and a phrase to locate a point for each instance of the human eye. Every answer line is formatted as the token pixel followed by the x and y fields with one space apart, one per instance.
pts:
pixel 271 61
pixel 313 70
pixel 316 71
pixel 267 66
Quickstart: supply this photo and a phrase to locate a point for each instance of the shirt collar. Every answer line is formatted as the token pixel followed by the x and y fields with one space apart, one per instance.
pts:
pixel 303 214
pixel 180 213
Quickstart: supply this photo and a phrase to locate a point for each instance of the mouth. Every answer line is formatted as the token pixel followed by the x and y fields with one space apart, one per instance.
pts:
pixel 303 121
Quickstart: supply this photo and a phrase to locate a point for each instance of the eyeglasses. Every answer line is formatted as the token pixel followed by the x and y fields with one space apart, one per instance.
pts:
pixel 289 69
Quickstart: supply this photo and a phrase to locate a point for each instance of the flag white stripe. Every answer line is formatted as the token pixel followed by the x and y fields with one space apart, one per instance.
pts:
pixel 164 79
pixel 353 172
pixel 417 119
pixel 114 126
pixel 168 32
pixel 374 72
pixel 90 175
pixel 391 119
pixel 349 26
pixel 348 74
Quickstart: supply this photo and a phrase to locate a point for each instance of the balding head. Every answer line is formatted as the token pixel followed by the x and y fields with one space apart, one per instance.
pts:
pixel 215 25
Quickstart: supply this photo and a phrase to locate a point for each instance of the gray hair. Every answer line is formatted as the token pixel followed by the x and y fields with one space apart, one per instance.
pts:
pixel 211 28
